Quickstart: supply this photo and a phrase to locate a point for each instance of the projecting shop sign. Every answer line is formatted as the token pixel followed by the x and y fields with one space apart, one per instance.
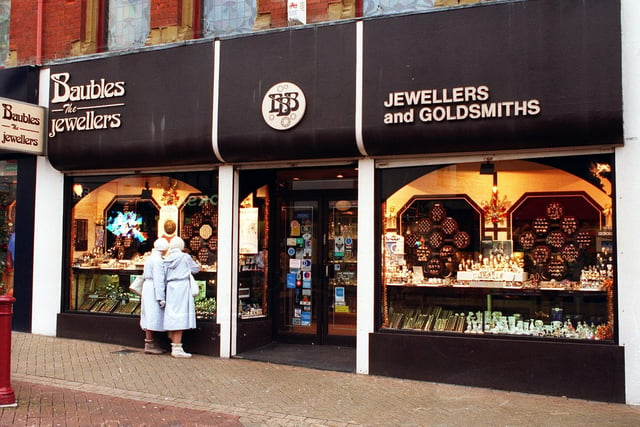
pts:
pixel 22 127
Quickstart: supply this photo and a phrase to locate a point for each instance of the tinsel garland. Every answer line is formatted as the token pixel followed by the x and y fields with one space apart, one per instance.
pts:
pixel 605 332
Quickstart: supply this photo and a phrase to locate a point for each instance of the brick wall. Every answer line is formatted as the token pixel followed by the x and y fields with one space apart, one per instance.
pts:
pixel 22 32
pixel 63 22
pixel 67 32
pixel 164 13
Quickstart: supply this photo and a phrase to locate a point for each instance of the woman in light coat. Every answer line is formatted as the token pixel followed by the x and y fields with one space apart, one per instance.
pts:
pixel 152 314
pixel 179 311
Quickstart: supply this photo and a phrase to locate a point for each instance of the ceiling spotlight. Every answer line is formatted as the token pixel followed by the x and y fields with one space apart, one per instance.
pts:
pixel 78 190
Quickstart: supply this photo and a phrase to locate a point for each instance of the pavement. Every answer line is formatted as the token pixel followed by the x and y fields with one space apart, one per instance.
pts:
pixel 64 382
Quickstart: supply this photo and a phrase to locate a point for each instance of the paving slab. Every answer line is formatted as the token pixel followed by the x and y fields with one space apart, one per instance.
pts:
pixel 55 379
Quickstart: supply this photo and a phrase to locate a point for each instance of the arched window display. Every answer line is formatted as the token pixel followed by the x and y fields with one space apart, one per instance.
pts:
pixel 114 224
pixel 501 248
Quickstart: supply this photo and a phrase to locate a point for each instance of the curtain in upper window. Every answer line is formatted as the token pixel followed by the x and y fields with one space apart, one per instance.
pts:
pixel 226 17
pixel 5 13
pixel 128 23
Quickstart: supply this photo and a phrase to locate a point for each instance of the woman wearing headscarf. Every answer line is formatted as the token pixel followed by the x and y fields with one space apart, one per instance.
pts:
pixel 152 314
pixel 179 311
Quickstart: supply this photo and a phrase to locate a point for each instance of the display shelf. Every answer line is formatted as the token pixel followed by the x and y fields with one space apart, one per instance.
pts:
pixel 252 287
pixel 100 291
pixel 543 313
pixel 550 281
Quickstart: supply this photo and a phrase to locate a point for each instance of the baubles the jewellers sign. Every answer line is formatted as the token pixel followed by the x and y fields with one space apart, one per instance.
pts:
pixel 22 127
pixel 85 106
pixel 283 106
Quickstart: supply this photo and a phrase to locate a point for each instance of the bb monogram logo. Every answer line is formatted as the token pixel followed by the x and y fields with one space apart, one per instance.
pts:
pixel 283 106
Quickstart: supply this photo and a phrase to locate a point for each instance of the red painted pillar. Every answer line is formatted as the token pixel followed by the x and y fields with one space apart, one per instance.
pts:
pixel 7 396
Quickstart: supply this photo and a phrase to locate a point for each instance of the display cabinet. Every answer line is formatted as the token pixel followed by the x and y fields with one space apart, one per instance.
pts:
pixel 253 257
pixel 199 228
pixel 557 313
pixel 106 291
pixel 444 273
pixel 252 286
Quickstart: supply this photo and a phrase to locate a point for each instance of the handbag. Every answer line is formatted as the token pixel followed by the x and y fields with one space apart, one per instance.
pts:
pixel 136 286
pixel 195 289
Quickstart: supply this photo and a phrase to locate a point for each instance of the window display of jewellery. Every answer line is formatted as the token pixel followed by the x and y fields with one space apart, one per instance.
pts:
pixel 557 246
pixel 112 302
pixel 492 311
pixel 501 272
pixel 106 291
pixel 205 308
pixel 433 240
pixel 199 229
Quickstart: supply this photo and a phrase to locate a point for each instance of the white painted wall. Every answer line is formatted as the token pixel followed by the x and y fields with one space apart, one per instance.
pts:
pixel 47 245
pixel 47 249
pixel 628 202
pixel 227 309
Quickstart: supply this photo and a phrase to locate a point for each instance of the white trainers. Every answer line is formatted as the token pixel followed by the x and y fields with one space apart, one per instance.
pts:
pixel 178 352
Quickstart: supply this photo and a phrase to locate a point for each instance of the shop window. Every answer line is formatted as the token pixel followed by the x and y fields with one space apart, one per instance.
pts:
pixel 501 248
pixel 8 186
pixel 253 268
pixel 114 223
pixel 223 18
pixel 5 14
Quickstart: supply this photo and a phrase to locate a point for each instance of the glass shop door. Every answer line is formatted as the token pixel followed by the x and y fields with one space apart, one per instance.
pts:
pixel 317 295
pixel 341 267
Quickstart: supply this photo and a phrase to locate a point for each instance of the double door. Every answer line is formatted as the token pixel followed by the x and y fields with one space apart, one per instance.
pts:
pixel 316 298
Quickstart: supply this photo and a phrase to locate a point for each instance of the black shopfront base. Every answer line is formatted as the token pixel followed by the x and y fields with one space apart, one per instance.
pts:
pixel 253 333
pixel 591 371
pixel 125 331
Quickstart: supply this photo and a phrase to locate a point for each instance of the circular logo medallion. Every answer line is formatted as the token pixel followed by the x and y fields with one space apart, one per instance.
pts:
pixel 283 106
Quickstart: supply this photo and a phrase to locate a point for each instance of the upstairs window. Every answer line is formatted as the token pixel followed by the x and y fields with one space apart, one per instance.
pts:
pixel 388 7
pixel 127 23
pixel 221 18
pixel 5 13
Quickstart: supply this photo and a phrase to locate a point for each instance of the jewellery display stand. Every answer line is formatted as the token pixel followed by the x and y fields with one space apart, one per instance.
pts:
pixel 438 278
pixel 498 311
pixel 99 291
pixel 252 287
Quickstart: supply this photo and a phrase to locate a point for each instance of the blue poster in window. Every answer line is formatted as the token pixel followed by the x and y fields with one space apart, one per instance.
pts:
pixel 306 318
pixel 291 280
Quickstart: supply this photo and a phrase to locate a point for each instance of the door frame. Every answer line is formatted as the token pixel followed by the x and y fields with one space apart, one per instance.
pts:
pixel 322 198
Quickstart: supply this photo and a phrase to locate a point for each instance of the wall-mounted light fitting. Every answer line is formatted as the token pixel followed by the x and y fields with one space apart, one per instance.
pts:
pixel 487 168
